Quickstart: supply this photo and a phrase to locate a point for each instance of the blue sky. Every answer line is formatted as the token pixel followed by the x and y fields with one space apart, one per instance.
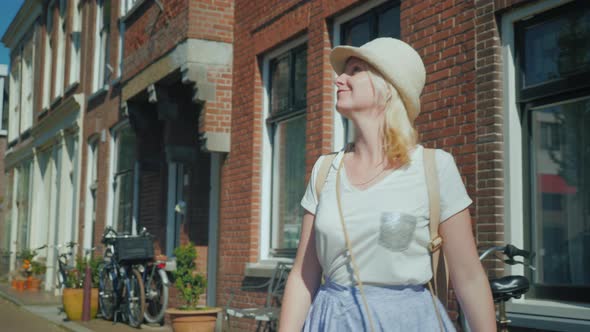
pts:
pixel 8 8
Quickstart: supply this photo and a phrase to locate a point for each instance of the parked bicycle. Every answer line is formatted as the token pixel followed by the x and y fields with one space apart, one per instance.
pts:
pixel 64 264
pixel 507 287
pixel 121 289
pixel 156 285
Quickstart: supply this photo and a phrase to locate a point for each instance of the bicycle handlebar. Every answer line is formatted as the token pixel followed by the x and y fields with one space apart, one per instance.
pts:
pixel 512 251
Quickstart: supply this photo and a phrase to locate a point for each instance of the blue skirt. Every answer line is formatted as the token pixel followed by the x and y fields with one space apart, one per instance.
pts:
pixel 393 308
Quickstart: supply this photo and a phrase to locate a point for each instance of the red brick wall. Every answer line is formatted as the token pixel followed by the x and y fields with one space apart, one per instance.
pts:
pixel 100 115
pixel 150 33
pixel 443 32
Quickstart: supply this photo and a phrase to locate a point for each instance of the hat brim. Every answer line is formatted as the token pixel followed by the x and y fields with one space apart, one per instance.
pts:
pixel 341 54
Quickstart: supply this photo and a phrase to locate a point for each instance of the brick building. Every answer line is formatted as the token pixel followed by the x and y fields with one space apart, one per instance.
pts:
pixel 124 112
pixel 176 88
pixel 508 138
pixel 64 114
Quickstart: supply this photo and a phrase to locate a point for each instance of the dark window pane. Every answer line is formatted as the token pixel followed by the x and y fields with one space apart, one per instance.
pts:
pixel 357 34
pixel 556 48
pixel 126 156
pixel 288 182
pixel 300 83
pixel 388 25
pixel 124 202
pixel 560 234
pixel 279 84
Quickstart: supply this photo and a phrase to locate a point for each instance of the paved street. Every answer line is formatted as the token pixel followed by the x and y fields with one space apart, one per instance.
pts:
pixel 16 319
pixel 32 312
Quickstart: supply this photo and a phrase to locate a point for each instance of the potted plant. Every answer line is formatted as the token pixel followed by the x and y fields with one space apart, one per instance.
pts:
pixel 38 269
pixel 191 285
pixel 73 293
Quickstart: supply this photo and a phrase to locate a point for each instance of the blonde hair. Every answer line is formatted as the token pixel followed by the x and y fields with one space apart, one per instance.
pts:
pixel 397 131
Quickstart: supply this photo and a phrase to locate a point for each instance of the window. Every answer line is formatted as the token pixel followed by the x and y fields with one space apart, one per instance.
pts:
pixel 554 99
pixel 22 204
pixel 7 207
pixel 75 39
pixel 61 50
pixel 123 181
pixel 287 85
pixel 359 27
pixel 47 79
pixel 14 104
pixel 27 90
pixel 4 101
pixel 92 185
pixel 102 68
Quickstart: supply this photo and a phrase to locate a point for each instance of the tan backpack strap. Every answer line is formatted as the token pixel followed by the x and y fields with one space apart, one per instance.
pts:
pixel 440 286
pixel 323 173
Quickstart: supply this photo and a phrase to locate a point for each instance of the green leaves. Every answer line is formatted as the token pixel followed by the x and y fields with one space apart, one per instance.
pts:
pixel 190 284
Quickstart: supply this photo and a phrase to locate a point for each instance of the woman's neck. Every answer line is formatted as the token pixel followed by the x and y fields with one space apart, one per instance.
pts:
pixel 368 143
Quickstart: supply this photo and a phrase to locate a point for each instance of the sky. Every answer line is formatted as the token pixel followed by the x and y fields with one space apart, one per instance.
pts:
pixel 8 9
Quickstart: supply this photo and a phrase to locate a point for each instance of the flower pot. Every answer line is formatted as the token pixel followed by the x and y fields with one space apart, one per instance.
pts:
pixel 73 302
pixel 28 282
pixel 193 320
pixel 34 285
pixel 13 283
pixel 20 285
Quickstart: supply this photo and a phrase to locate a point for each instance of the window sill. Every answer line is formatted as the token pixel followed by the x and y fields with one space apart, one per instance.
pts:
pixel 71 87
pixel 549 314
pixel 98 93
pixel 263 268
pixel 55 101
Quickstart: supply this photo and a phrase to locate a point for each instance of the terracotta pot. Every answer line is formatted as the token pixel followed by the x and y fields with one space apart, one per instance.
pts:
pixel 73 301
pixel 28 282
pixel 13 283
pixel 34 284
pixel 20 285
pixel 193 320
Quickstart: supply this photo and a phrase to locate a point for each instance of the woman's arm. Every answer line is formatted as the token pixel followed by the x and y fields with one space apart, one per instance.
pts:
pixel 467 274
pixel 304 280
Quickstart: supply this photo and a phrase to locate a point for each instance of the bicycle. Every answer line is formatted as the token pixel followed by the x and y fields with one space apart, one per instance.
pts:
pixel 121 289
pixel 156 285
pixel 63 262
pixel 507 287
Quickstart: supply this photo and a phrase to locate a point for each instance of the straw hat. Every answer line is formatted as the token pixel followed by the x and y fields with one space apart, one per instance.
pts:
pixel 397 61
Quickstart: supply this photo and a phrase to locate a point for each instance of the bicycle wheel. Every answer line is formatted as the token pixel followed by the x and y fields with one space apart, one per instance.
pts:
pixel 106 293
pixel 135 298
pixel 156 296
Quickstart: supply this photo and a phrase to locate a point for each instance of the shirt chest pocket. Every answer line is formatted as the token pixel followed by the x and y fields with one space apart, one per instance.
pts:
pixel 396 230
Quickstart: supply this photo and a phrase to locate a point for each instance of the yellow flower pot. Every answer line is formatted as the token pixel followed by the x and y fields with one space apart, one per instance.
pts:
pixel 73 302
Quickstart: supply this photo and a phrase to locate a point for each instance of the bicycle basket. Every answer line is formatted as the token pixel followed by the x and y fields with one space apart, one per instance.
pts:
pixel 134 248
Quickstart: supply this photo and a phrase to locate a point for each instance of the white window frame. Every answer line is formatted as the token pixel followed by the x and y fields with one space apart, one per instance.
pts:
pixel 91 185
pixel 111 202
pixel 3 77
pixel 61 50
pixel 100 47
pixel 338 134
pixel 266 169
pixel 75 43
pixel 48 58
pixel 27 89
pixel 14 98
pixel 541 312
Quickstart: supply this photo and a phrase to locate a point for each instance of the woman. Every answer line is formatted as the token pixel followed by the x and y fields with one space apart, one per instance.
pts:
pixel 385 209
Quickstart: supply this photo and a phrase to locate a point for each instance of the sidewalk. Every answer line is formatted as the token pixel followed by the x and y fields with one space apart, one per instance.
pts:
pixel 47 306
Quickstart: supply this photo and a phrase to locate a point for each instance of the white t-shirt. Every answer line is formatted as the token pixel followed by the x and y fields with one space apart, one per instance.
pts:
pixel 387 223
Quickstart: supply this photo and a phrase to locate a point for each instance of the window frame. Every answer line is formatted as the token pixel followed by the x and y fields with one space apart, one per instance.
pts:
pixel 541 95
pixel 4 108
pixel 525 311
pixel 113 174
pixel 266 205
pixel 91 191
pixel 101 48
pixel 48 58
pixel 75 39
